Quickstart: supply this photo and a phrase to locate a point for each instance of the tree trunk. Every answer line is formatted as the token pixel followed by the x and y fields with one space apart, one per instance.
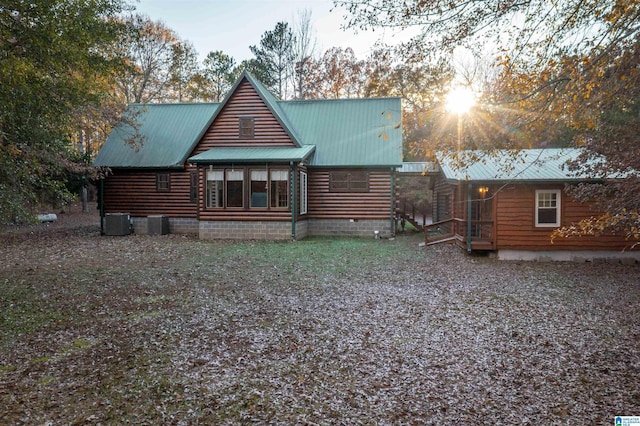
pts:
pixel 85 201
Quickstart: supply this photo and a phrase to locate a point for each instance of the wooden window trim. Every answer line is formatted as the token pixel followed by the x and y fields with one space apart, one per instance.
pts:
pixel 243 188
pixel 304 192
pixel 254 200
pixel 286 196
pixel 246 189
pixel 193 187
pixel 163 182
pixel 349 181
pixel 212 185
pixel 246 127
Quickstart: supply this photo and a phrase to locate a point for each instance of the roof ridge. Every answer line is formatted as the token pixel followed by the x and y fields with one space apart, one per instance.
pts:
pixel 339 99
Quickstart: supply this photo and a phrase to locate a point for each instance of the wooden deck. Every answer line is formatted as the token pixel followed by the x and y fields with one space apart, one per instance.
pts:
pixel 455 230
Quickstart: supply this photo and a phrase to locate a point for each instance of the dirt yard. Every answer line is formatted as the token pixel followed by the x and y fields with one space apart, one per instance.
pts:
pixel 172 330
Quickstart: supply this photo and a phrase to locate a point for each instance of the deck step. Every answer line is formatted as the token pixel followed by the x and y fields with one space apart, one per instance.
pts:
pixel 443 240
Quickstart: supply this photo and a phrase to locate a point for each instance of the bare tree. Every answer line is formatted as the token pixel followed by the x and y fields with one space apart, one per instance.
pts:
pixel 149 51
pixel 184 67
pixel 304 50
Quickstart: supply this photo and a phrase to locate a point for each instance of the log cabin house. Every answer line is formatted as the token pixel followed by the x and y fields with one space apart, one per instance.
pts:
pixel 254 167
pixel 510 202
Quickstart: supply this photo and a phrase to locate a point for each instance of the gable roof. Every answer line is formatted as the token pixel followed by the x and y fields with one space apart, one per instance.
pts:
pixel 169 133
pixel 527 165
pixel 329 133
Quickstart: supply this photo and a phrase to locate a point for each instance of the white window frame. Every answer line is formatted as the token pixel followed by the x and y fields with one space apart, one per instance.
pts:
pixel 303 193
pixel 558 202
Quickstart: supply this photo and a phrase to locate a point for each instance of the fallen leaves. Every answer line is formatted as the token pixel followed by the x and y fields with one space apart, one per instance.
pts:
pixel 174 330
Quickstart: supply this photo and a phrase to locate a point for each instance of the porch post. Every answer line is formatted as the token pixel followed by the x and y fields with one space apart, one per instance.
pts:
pixel 101 205
pixel 293 200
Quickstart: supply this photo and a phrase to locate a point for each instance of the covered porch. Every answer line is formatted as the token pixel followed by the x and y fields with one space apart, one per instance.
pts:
pixel 464 215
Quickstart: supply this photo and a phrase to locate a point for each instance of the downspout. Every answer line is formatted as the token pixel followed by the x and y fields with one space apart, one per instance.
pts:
pixel 469 218
pixel 102 206
pixel 293 200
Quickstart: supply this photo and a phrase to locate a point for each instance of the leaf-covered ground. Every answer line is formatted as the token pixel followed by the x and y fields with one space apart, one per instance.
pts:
pixel 172 330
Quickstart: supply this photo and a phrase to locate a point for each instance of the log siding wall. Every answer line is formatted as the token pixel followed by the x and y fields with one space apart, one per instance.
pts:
pixel 134 192
pixel 245 102
pixel 515 223
pixel 374 204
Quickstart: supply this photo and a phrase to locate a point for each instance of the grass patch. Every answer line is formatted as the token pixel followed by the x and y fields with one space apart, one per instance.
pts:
pixel 23 311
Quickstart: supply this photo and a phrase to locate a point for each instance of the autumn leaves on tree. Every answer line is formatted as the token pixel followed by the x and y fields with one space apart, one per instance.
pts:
pixel 566 73
pixel 546 73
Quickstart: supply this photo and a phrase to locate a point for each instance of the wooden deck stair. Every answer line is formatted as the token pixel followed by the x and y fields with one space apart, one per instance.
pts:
pixel 454 230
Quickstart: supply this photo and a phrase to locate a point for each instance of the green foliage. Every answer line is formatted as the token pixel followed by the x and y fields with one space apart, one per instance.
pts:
pixel 51 64
pixel 276 57
pixel 218 71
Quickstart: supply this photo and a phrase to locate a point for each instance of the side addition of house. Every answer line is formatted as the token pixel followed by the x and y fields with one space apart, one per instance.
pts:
pixel 510 202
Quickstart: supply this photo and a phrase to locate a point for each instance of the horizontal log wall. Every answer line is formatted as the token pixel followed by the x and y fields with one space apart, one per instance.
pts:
pixel 375 204
pixel 134 192
pixel 245 102
pixel 515 223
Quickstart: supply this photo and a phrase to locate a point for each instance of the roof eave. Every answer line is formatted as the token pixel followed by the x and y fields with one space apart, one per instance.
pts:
pixel 308 151
pixel 148 167
pixel 522 181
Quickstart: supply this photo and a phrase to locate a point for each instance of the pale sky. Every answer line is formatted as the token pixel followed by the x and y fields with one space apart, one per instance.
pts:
pixel 233 25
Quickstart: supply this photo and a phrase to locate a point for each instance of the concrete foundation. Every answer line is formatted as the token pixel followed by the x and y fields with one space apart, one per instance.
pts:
pixel 579 256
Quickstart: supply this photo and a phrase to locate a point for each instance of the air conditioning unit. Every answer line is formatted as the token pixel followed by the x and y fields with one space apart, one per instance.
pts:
pixel 157 225
pixel 117 224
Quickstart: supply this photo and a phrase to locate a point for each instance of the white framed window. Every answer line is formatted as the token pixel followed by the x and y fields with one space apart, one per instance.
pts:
pixel 303 192
pixel 548 208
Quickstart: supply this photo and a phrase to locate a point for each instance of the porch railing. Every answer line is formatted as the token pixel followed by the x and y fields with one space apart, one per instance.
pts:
pixel 455 229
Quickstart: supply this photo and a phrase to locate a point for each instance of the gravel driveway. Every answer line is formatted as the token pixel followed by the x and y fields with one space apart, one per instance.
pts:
pixel 172 330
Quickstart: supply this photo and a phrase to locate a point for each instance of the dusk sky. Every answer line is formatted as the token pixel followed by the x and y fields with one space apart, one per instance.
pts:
pixel 233 25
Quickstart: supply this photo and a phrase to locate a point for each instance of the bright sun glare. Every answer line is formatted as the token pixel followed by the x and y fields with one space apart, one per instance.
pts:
pixel 460 100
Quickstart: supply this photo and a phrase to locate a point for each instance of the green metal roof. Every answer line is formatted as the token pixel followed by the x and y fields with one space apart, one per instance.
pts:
pixel 349 132
pixel 253 155
pixel 169 133
pixel 344 133
pixel 527 165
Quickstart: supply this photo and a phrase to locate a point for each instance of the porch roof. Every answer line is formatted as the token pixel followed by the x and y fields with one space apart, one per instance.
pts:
pixel 267 154
pixel 527 165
